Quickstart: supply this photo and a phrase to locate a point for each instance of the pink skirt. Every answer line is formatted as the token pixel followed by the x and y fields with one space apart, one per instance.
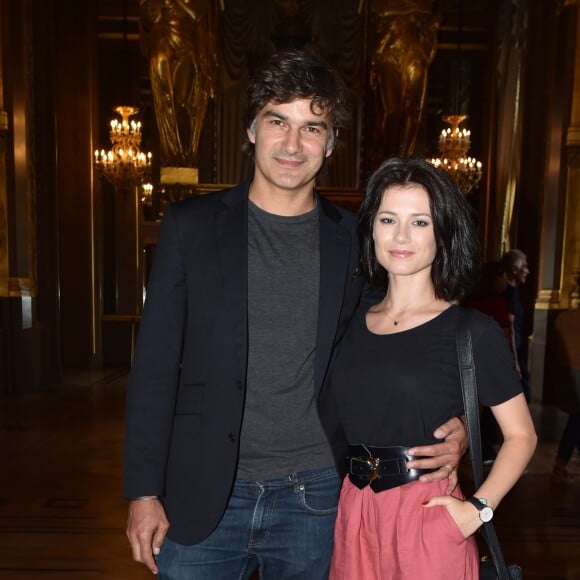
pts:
pixel 391 536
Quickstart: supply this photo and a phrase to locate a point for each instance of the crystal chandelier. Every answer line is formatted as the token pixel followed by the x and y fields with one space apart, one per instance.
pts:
pixel 454 144
pixel 124 165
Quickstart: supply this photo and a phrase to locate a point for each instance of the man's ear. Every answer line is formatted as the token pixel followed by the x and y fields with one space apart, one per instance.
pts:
pixel 330 149
pixel 251 133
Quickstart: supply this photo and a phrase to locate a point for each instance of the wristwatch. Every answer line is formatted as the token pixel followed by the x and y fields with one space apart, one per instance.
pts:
pixel 485 511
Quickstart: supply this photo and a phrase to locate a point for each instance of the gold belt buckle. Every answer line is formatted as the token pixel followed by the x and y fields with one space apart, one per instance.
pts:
pixel 374 463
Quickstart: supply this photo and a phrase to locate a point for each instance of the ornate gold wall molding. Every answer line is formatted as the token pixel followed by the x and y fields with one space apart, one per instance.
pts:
pixel 17 233
pixel 548 299
pixel 4 269
pixel 178 39
pixel 404 43
pixel 573 147
pixel 571 234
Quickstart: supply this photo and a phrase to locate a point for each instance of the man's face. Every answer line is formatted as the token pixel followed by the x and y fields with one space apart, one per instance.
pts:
pixel 291 144
pixel 521 271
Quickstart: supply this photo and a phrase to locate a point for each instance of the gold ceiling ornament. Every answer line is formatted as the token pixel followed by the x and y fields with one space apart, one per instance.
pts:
pixel 453 157
pixel 124 165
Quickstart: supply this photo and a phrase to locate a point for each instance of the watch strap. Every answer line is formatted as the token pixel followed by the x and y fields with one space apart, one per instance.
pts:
pixel 477 502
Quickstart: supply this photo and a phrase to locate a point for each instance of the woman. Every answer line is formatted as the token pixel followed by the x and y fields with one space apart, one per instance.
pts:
pixel 490 295
pixel 396 378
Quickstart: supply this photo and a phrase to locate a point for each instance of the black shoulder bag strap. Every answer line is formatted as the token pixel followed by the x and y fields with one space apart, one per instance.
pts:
pixel 470 402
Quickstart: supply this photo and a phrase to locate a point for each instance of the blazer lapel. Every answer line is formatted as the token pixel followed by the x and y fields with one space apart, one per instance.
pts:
pixel 335 248
pixel 232 243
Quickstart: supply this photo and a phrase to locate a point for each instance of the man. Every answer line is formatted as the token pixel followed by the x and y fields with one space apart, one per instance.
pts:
pixel 515 264
pixel 564 346
pixel 250 290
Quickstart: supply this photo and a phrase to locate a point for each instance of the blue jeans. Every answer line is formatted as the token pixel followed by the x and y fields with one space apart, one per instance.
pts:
pixel 285 526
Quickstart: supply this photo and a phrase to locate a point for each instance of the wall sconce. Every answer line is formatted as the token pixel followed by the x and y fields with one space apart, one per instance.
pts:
pixel 147 197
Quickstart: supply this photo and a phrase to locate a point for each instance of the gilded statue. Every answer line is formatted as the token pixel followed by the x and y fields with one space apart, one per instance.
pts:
pixel 406 37
pixel 178 39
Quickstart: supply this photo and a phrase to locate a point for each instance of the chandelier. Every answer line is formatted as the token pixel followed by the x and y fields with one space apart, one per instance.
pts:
pixel 454 144
pixel 124 165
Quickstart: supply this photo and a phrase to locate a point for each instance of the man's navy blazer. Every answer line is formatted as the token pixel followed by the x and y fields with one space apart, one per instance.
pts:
pixel 186 388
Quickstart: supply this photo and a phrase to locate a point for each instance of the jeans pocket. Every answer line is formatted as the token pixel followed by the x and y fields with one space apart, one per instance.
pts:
pixel 320 496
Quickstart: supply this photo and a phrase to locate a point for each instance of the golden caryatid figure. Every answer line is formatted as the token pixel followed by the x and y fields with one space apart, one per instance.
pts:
pixel 178 39
pixel 406 37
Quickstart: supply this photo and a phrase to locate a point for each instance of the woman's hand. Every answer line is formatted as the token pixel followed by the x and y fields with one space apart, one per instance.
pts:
pixel 463 513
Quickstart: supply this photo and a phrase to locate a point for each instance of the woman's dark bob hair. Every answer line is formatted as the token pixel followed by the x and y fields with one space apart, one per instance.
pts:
pixel 458 258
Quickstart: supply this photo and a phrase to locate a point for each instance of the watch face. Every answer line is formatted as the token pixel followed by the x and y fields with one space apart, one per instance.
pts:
pixel 485 514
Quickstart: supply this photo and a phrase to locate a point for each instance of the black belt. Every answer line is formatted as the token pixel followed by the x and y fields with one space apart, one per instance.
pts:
pixel 381 467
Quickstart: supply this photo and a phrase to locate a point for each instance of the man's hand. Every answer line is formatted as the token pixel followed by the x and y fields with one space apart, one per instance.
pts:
pixel 445 455
pixel 147 525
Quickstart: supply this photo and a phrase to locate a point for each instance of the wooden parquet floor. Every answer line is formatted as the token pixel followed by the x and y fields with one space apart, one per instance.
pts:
pixel 62 515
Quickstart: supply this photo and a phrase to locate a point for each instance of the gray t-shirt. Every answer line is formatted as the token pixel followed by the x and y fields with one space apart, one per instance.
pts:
pixel 281 431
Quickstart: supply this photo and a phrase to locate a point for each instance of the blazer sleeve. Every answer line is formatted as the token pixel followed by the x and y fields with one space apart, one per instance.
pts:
pixel 154 376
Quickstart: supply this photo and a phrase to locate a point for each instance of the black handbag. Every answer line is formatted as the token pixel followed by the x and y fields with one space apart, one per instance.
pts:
pixel 493 568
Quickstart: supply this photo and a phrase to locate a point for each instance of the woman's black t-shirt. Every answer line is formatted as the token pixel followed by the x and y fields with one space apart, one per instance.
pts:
pixel 396 389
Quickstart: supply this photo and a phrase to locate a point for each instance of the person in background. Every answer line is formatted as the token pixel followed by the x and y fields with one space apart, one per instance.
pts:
pixel 227 466
pixel 515 264
pixel 490 298
pixel 396 376
pixel 566 351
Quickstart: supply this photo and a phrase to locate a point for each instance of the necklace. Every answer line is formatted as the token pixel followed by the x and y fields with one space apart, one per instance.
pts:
pixel 395 321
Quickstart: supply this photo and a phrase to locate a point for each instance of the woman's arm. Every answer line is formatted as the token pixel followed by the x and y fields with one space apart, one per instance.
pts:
pixel 517 449
pixel 519 443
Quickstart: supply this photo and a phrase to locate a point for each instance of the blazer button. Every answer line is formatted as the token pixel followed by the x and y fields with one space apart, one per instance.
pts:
pixel 233 438
pixel 240 385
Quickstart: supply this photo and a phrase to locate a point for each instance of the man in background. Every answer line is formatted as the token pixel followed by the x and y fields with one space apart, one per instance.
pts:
pixel 565 349
pixel 515 265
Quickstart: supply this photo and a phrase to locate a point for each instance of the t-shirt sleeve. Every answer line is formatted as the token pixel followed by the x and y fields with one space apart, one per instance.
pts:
pixel 497 378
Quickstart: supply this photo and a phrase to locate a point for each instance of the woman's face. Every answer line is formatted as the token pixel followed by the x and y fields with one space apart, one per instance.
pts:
pixel 500 283
pixel 403 231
